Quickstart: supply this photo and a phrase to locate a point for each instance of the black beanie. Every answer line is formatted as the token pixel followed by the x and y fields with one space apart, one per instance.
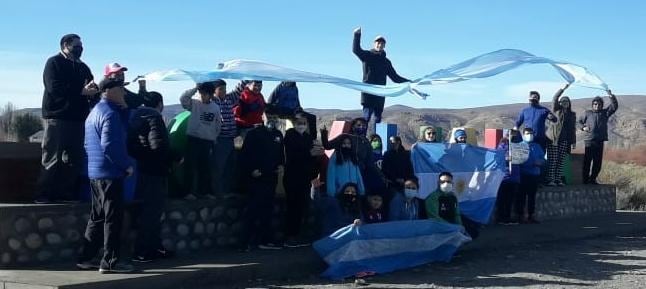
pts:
pixel 598 99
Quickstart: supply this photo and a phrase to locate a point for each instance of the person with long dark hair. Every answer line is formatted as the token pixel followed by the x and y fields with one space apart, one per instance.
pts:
pixel 561 137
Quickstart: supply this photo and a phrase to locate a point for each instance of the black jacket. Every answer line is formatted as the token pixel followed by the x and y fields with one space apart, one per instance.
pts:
pixel 597 122
pixel 299 163
pixel 148 142
pixel 263 150
pixel 64 80
pixel 397 165
pixel 376 66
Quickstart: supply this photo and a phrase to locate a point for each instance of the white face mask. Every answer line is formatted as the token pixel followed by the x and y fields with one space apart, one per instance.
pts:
pixel 300 128
pixel 528 137
pixel 446 187
pixel 410 193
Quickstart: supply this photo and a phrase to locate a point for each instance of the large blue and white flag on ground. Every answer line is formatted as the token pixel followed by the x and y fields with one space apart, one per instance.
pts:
pixel 482 66
pixel 385 247
pixel 477 174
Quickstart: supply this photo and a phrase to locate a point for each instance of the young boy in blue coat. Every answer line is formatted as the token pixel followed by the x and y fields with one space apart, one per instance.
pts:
pixel 530 173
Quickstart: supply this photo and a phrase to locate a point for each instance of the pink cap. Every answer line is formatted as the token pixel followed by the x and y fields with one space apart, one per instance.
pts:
pixel 113 68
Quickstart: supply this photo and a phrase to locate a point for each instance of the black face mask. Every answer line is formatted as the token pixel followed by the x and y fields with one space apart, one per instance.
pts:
pixel 533 101
pixel 346 151
pixel 77 51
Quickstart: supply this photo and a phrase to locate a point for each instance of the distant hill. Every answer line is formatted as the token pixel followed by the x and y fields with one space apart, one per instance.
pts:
pixel 627 128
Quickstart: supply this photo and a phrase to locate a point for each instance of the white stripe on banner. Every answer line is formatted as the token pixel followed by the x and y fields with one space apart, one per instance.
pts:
pixel 367 249
pixel 467 186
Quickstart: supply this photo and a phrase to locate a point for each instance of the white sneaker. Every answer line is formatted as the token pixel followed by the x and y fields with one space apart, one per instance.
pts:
pixel 117 268
pixel 269 246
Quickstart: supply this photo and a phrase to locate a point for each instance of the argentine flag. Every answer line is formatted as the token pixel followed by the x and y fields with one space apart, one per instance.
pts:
pixel 477 174
pixel 385 247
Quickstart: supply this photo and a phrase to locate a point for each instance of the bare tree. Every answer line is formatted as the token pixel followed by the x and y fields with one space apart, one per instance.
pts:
pixel 26 125
pixel 6 120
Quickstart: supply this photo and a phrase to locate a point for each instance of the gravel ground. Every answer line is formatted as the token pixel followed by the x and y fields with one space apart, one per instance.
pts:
pixel 608 262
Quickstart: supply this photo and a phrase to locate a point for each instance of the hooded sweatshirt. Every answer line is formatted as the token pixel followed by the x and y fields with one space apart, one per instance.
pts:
pixel 597 121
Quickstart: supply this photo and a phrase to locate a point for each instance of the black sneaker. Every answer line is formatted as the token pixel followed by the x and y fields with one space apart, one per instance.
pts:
pixel 146 258
pixel 532 221
pixel 269 246
pixel 163 253
pixel 593 182
pixel 117 269
pixel 295 244
pixel 42 200
pixel 87 265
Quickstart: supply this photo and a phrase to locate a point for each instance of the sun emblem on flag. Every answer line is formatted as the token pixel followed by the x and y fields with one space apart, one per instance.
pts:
pixel 460 187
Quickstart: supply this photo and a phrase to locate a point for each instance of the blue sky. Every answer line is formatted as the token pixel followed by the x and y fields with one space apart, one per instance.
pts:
pixel 423 36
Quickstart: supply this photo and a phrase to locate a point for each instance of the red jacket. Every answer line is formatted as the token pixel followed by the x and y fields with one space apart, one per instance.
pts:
pixel 250 108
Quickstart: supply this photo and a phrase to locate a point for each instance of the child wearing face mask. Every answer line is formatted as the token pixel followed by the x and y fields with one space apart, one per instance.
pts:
pixel 443 204
pixel 374 209
pixel 342 209
pixel 405 205
pixel 530 173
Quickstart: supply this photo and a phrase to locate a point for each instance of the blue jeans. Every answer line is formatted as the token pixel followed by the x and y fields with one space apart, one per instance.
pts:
pixel 368 111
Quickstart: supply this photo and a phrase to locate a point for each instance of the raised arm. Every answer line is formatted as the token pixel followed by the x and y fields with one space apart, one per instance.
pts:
pixel 356 45
pixel 556 106
pixel 185 98
pixel 612 108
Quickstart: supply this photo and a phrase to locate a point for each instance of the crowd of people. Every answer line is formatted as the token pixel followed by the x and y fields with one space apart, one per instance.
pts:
pixel 95 132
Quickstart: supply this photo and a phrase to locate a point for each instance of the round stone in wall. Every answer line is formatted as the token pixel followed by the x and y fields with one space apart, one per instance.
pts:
pixel 237 227
pixel 182 230
pixel 222 228
pixel 33 241
pixel 14 244
pixel 204 214
pixel 44 256
pixel 72 235
pixel 210 228
pixel 198 228
pixel 195 244
pixel 181 245
pixel 168 244
pixel 23 259
pixel 6 258
pixel 222 241
pixel 232 213
pixel 207 243
pixel 175 215
pixel 165 230
pixel 67 253
pixel 53 239
pixel 217 212
pixel 22 225
pixel 68 220
pixel 45 224
pixel 191 216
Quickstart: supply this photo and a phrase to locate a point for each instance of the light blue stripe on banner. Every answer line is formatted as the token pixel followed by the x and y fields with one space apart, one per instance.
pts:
pixel 485 65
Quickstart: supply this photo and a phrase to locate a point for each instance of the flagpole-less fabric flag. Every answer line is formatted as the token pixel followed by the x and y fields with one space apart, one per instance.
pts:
pixel 477 174
pixel 386 247
pixel 486 65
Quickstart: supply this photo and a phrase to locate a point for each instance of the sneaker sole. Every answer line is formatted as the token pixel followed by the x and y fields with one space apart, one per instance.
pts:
pixel 86 267
pixel 106 271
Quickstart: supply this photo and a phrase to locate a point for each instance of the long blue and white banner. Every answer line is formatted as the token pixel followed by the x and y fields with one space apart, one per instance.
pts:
pixel 477 174
pixel 486 65
pixel 385 247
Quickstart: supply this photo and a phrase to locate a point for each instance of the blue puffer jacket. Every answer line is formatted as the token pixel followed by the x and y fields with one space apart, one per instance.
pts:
pixel 284 100
pixel 105 141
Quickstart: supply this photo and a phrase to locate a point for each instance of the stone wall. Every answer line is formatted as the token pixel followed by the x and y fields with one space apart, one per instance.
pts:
pixel 575 201
pixel 36 234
